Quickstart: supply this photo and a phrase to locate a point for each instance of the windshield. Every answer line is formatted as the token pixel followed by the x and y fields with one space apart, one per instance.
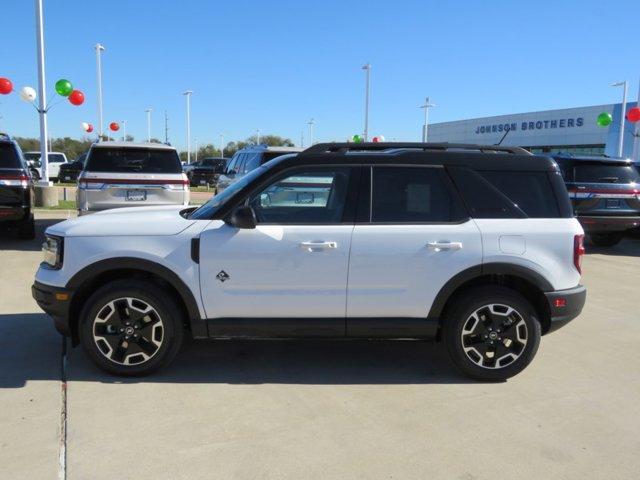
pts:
pixel 8 156
pixel 207 210
pixel 139 160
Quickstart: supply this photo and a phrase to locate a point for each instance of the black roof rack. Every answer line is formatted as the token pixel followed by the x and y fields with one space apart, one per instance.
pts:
pixel 375 147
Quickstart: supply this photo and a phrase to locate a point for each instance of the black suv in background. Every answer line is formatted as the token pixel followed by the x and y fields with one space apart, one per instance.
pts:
pixel 16 189
pixel 69 172
pixel 206 171
pixel 605 193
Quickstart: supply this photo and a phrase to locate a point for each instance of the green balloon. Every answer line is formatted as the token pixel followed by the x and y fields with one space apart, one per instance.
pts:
pixel 356 138
pixel 64 87
pixel 604 119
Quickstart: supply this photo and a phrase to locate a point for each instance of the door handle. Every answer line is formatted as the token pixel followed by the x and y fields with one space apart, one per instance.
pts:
pixel 440 246
pixel 315 246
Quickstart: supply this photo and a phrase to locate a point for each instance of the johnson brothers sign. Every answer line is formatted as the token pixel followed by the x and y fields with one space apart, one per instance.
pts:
pixel 535 125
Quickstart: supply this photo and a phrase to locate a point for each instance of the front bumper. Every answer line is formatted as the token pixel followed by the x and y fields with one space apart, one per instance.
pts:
pixel 603 223
pixel 56 302
pixel 565 305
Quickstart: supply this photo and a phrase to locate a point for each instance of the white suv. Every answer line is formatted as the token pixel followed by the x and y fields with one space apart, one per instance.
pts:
pixel 475 246
pixel 126 174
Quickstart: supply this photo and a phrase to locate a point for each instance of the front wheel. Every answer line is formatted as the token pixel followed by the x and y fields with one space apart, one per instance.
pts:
pixel 131 327
pixel 606 239
pixel 492 333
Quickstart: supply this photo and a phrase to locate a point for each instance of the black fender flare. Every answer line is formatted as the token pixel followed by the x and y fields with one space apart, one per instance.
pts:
pixel 494 268
pixel 147 266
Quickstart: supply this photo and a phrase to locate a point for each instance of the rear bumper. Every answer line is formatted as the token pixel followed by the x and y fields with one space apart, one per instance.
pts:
pixel 603 223
pixel 565 305
pixel 55 301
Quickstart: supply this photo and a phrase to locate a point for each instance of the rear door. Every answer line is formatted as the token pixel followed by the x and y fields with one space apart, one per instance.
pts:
pixel 416 236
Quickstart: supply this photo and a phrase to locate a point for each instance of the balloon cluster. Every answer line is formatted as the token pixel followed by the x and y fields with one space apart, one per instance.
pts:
pixel 604 119
pixel 633 115
pixel 358 139
pixel 87 127
pixel 63 87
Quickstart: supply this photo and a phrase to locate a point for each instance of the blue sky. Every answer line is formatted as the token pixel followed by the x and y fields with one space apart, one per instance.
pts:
pixel 273 65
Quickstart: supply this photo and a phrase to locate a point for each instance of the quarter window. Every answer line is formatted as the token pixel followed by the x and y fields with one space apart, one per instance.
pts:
pixel 309 196
pixel 413 195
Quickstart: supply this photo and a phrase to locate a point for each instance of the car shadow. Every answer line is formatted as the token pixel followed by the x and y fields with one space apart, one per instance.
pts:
pixel 9 236
pixel 628 247
pixel 38 356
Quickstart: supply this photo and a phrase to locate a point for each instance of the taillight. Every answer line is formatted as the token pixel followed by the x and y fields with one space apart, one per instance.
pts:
pixel 578 251
pixel 19 180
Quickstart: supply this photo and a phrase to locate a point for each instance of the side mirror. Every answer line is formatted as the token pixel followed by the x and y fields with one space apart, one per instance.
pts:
pixel 242 217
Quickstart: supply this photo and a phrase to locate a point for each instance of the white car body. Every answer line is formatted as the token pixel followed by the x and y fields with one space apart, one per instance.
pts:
pixel 364 276
pixel 53 166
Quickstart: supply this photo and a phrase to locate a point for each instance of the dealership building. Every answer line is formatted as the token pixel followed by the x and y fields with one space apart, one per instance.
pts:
pixel 569 130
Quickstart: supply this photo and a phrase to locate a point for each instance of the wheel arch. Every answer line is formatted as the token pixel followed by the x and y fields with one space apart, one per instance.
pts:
pixel 87 280
pixel 525 281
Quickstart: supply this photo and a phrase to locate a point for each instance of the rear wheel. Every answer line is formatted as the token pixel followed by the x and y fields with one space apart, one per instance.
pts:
pixel 27 228
pixel 492 333
pixel 131 327
pixel 606 239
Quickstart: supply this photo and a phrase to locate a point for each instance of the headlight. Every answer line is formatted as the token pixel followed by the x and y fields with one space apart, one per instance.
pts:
pixel 52 250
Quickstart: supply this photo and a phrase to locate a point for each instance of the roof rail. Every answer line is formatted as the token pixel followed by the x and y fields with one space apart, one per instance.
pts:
pixel 375 147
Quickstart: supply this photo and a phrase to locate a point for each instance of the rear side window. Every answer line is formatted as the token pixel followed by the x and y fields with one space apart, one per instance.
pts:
pixel 529 191
pixel 605 173
pixel 136 160
pixel 55 158
pixel 413 195
pixel 9 156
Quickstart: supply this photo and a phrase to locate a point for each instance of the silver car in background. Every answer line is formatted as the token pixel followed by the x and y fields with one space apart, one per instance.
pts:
pixel 126 174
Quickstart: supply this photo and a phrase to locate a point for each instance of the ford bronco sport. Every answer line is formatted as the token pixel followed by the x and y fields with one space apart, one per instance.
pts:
pixel 474 246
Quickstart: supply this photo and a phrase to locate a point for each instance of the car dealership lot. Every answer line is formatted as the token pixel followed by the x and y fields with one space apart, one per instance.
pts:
pixel 325 409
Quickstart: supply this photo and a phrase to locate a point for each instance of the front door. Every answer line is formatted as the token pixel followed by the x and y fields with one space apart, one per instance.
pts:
pixel 293 264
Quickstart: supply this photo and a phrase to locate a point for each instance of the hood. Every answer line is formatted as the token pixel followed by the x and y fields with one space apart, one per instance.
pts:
pixel 140 221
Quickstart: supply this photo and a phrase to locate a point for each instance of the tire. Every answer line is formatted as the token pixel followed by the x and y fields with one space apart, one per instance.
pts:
pixel 509 317
pixel 27 228
pixel 606 239
pixel 117 335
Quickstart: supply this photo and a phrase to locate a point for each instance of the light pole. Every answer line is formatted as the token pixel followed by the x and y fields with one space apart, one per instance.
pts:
pixel 124 130
pixel 258 136
pixel 636 133
pixel 426 107
pixel 222 145
pixel 188 94
pixel 149 110
pixel 622 113
pixel 196 142
pixel 42 94
pixel 99 49
pixel 366 67
pixel 311 123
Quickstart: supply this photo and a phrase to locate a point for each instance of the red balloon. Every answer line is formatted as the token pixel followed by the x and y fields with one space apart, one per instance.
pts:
pixel 90 128
pixel 114 126
pixel 76 97
pixel 633 115
pixel 376 139
pixel 6 87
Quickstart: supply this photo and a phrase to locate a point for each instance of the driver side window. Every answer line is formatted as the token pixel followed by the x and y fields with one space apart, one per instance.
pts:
pixel 306 196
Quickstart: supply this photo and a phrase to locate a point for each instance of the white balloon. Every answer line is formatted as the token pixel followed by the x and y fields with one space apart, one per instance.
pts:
pixel 381 138
pixel 85 126
pixel 28 94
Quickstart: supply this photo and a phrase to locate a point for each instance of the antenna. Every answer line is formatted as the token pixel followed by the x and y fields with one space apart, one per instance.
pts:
pixel 166 128
pixel 503 137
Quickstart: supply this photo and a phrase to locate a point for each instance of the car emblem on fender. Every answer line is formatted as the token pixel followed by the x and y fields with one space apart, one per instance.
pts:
pixel 223 276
